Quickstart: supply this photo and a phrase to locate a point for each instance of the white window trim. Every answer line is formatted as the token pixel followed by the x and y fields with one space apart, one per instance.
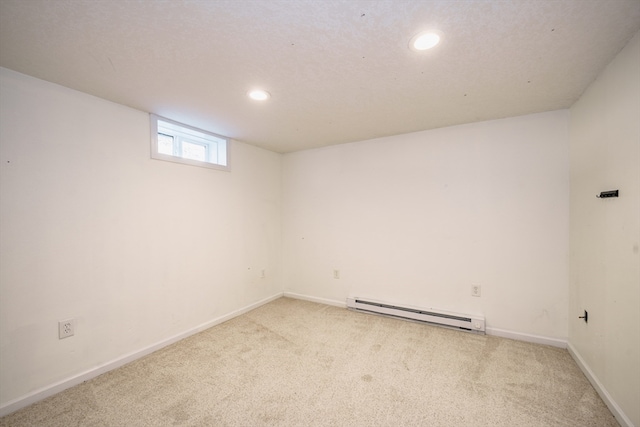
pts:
pixel 176 159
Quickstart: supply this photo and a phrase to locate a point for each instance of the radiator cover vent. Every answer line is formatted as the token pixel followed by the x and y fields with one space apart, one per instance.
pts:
pixel 466 322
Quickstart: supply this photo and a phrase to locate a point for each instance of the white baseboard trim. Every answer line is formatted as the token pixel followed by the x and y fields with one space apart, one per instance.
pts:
pixel 325 301
pixel 555 342
pixel 52 389
pixel 519 336
pixel 617 412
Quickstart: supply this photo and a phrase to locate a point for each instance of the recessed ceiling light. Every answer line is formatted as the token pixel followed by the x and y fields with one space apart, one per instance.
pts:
pixel 259 95
pixel 425 41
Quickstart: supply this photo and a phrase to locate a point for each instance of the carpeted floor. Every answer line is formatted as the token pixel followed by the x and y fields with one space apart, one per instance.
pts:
pixel 297 363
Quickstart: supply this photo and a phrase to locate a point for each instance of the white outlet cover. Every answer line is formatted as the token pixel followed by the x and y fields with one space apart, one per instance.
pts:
pixel 66 328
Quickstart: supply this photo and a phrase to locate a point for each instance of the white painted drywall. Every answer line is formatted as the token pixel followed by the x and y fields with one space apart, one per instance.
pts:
pixel 136 250
pixel 420 218
pixel 605 233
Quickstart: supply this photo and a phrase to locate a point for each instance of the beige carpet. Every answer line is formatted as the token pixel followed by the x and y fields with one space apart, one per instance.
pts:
pixel 296 363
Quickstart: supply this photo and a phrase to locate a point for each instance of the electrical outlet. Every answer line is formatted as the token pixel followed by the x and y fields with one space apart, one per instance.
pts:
pixel 336 274
pixel 66 328
pixel 476 290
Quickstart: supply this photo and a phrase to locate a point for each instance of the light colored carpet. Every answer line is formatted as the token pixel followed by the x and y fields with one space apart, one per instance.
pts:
pixel 297 363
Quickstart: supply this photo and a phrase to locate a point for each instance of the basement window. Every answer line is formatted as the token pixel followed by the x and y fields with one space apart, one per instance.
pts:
pixel 180 143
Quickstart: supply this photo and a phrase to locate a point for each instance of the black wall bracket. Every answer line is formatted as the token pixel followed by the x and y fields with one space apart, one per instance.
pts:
pixel 607 194
pixel 585 317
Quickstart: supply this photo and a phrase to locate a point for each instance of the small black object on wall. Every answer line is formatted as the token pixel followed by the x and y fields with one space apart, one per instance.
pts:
pixel 607 194
pixel 585 317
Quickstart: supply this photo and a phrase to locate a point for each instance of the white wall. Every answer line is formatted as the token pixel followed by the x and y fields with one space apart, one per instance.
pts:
pixel 137 250
pixel 605 234
pixel 419 218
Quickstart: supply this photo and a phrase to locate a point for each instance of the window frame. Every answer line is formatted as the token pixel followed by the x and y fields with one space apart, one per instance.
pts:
pixel 176 158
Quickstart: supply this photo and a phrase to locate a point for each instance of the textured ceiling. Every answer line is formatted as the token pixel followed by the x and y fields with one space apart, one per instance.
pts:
pixel 338 71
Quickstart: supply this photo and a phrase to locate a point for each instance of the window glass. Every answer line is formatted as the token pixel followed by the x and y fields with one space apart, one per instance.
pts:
pixel 181 143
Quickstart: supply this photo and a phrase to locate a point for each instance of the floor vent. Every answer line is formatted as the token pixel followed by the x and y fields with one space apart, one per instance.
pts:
pixel 437 317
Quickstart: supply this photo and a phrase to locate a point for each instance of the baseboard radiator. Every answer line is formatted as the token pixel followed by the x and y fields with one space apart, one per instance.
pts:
pixel 470 323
